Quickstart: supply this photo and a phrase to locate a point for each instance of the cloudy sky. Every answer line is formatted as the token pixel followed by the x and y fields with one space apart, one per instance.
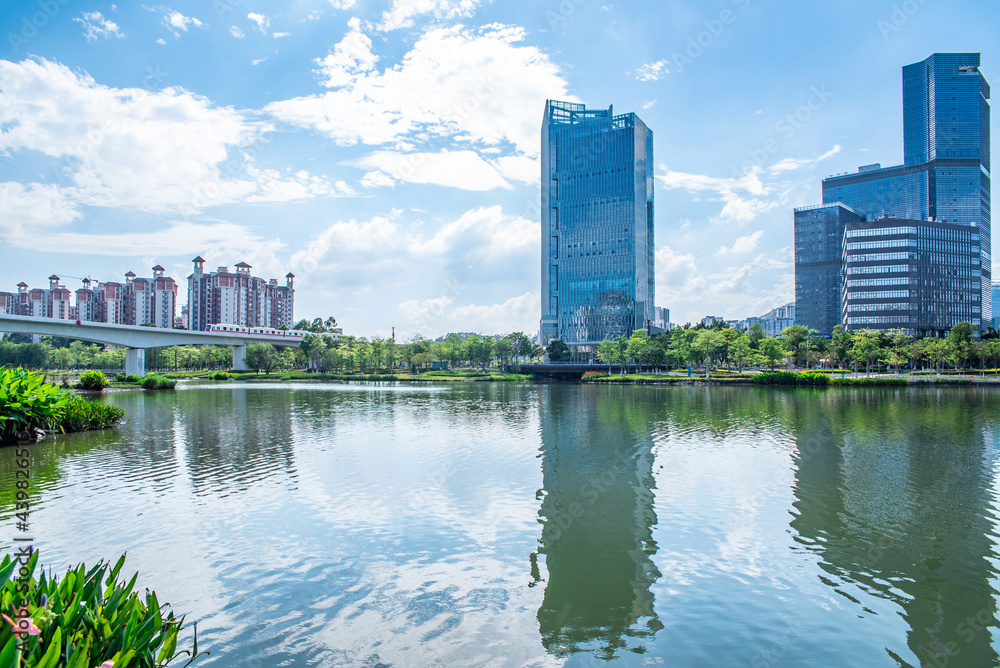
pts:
pixel 386 151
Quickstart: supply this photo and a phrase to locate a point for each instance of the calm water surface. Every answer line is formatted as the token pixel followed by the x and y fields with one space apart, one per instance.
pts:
pixel 544 525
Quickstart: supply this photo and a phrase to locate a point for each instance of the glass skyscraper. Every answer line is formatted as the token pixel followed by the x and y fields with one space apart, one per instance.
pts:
pixel 945 175
pixel 597 224
pixel 819 235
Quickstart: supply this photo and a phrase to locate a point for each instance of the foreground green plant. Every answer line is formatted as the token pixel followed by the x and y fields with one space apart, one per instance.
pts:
pixel 28 404
pixel 83 619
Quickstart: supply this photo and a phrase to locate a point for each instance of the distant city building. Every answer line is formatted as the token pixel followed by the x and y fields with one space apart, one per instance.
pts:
pixel 238 298
pixel 661 318
pixel 597 225
pixel 773 322
pixel 710 320
pixel 911 275
pixel 944 178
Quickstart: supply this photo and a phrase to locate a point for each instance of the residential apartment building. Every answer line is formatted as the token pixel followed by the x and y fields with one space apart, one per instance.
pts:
pixel 238 298
pixel 772 322
pixel 597 225
pixel 944 178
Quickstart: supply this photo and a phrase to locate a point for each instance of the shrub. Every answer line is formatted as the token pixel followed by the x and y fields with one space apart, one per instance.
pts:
pixel 155 382
pixel 791 378
pixel 132 378
pixel 85 618
pixel 83 415
pixel 593 375
pixel 120 378
pixel 222 375
pixel 92 380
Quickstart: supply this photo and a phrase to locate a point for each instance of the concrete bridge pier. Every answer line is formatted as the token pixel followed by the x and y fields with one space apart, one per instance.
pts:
pixel 135 361
pixel 239 358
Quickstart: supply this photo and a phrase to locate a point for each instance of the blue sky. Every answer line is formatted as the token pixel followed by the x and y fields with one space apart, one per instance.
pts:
pixel 387 152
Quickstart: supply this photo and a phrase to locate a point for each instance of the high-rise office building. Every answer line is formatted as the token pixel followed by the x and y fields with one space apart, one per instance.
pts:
pixel 819 236
pixel 912 275
pixel 597 224
pixel 945 177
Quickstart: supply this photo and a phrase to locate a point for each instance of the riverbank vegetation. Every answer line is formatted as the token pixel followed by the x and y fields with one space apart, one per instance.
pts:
pixel 85 618
pixel 719 349
pixel 30 406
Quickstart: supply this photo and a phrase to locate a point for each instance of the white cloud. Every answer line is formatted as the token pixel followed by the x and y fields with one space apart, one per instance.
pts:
pixel 27 209
pixel 95 26
pixel 158 151
pixel 177 239
pixel 257 61
pixel 177 22
pixel 649 105
pixel 236 32
pixel 480 245
pixel 476 86
pixel 732 292
pixel 263 22
pixel 401 14
pixel 652 71
pixel 519 168
pixel 745 244
pixel 341 4
pixel 791 164
pixel 161 41
pixel 280 34
pixel 517 314
pixel 455 169
pixel 737 208
pixel 377 179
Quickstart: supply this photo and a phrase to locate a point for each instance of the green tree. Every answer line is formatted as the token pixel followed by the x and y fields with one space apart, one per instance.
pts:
pixel 638 345
pixel 757 335
pixel 558 351
pixel 607 351
pixel 867 348
pixel 504 351
pixel 794 338
pixel 772 351
pixel 262 357
pixel 479 350
pixel 960 342
pixel 709 344
pixel 314 348
pixel 740 350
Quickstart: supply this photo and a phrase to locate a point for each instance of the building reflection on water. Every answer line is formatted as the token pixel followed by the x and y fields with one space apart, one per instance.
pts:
pixel 894 494
pixel 597 516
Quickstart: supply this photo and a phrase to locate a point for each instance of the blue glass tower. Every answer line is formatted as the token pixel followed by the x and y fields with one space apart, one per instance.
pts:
pixel 945 175
pixel 597 224
pixel 819 235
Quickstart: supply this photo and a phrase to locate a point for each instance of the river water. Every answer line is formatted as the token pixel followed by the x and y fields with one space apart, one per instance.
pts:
pixel 477 524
